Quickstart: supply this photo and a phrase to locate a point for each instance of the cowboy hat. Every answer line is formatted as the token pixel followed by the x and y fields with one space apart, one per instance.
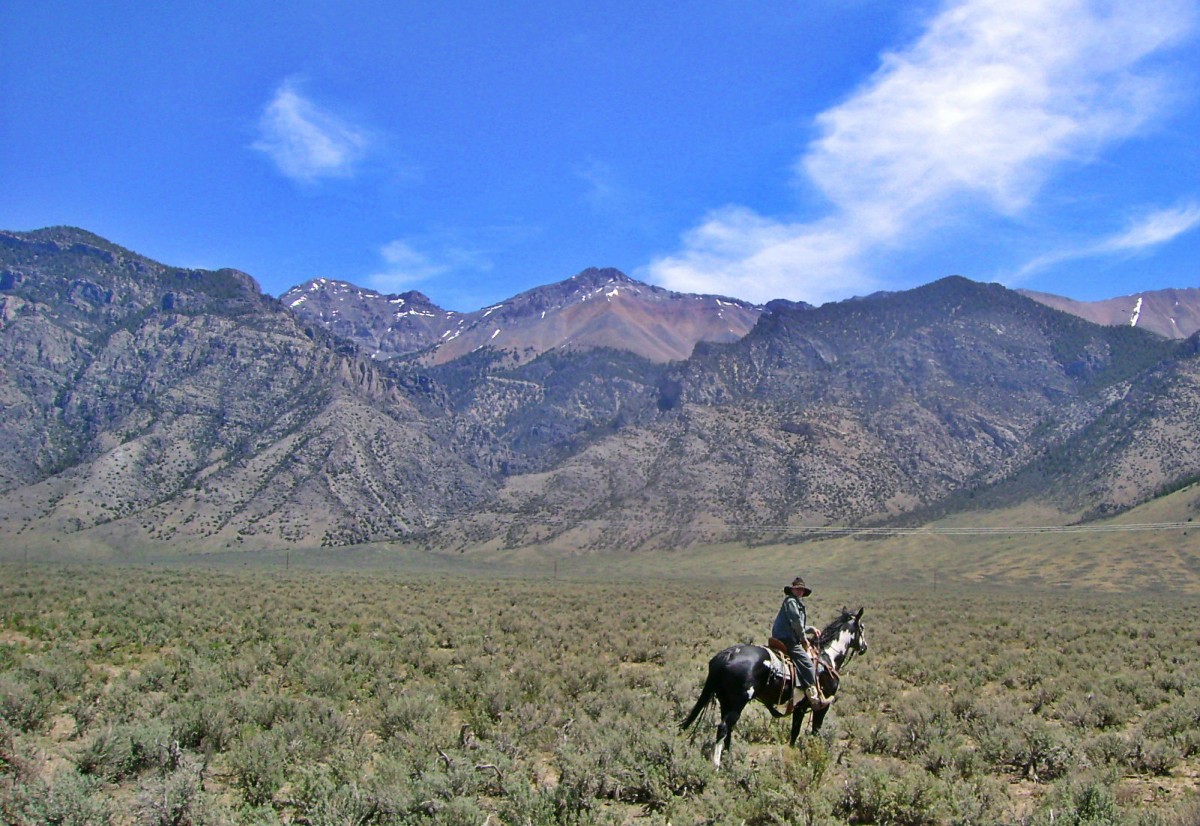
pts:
pixel 798 582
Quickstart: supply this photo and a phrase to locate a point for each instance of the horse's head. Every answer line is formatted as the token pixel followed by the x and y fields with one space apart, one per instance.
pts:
pixel 859 642
pixel 845 636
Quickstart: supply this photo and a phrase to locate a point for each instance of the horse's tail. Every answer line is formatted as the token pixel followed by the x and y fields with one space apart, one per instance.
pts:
pixel 706 696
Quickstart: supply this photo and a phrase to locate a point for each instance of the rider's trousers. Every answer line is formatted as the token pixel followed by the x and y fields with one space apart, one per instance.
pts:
pixel 806 670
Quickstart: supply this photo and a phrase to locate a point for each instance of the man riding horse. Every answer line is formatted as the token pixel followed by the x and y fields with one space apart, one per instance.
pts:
pixel 791 628
pixel 744 672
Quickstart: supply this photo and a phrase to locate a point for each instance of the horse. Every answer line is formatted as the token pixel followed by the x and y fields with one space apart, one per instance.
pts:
pixel 742 673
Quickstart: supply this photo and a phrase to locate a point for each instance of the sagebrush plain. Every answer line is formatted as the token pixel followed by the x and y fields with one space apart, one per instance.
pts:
pixel 527 690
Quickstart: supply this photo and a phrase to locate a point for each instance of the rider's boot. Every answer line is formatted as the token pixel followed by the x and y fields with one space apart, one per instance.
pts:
pixel 815 701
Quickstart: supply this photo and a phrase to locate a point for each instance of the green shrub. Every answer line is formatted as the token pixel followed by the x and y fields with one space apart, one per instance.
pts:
pixel 534 805
pixel 1086 803
pixel 257 763
pixel 170 798
pixel 322 799
pixel 119 752
pixel 892 794
pixel 22 705
pixel 1174 719
pixel 979 801
pixel 783 787
pixel 1095 709
pixel 1110 748
pixel 1029 745
pixel 201 724
pixel 1154 756
pixel 68 799
pixel 402 713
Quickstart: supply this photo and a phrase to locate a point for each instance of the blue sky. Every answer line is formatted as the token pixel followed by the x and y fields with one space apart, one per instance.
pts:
pixel 760 149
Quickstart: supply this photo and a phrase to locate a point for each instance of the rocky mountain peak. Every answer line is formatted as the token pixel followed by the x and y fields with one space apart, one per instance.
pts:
pixel 384 325
pixel 598 307
pixel 332 290
pixel 598 276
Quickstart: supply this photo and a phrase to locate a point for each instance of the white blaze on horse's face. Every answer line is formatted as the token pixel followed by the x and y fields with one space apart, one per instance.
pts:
pixel 858 641
pixel 850 639
pixel 840 644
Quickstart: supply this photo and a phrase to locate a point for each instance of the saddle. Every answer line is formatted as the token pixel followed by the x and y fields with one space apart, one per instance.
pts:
pixel 784 668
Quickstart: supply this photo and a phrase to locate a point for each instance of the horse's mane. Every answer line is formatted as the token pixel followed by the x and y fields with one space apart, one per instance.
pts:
pixel 829 634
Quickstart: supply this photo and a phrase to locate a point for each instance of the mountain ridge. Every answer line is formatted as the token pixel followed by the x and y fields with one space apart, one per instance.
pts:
pixel 1172 313
pixel 433 335
pixel 143 405
pixel 151 405
pixel 598 307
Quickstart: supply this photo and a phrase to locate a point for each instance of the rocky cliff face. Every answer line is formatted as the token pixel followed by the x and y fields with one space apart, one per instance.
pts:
pixel 146 403
pixel 145 406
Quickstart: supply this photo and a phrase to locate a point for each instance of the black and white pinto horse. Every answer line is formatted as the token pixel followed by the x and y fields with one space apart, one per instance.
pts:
pixel 742 673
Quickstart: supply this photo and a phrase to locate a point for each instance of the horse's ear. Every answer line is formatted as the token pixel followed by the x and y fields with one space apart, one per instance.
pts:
pixel 859 614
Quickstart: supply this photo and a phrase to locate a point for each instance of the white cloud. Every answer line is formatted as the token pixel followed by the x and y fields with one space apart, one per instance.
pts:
pixel 979 111
pixel 1149 230
pixel 738 252
pixel 305 141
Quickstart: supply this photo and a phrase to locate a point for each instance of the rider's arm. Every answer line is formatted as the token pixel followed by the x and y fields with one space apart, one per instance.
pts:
pixel 795 617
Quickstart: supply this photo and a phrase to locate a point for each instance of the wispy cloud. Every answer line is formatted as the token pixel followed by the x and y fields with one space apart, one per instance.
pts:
pixel 305 141
pixel 1156 228
pixel 408 262
pixel 616 205
pixel 603 191
pixel 1149 230
pixel 976 113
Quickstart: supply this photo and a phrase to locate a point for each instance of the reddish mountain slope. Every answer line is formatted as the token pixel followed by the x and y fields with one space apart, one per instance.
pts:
pixel 1170 313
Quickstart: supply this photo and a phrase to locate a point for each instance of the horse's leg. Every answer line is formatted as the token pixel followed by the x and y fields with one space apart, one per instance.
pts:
pixel 731 712
pixel 798 721
pixel 829 688
pixel 722 732
pixel 818 719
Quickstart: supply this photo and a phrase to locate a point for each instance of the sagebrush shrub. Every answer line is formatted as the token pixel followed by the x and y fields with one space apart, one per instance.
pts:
pixel 1083 803
pixel 889 793
pixel 22 706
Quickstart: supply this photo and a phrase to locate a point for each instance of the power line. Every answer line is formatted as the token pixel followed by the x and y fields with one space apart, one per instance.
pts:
pixel 839 530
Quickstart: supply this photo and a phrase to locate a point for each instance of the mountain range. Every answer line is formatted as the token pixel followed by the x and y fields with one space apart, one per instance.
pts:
pixel 596 308
pixel 149 406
